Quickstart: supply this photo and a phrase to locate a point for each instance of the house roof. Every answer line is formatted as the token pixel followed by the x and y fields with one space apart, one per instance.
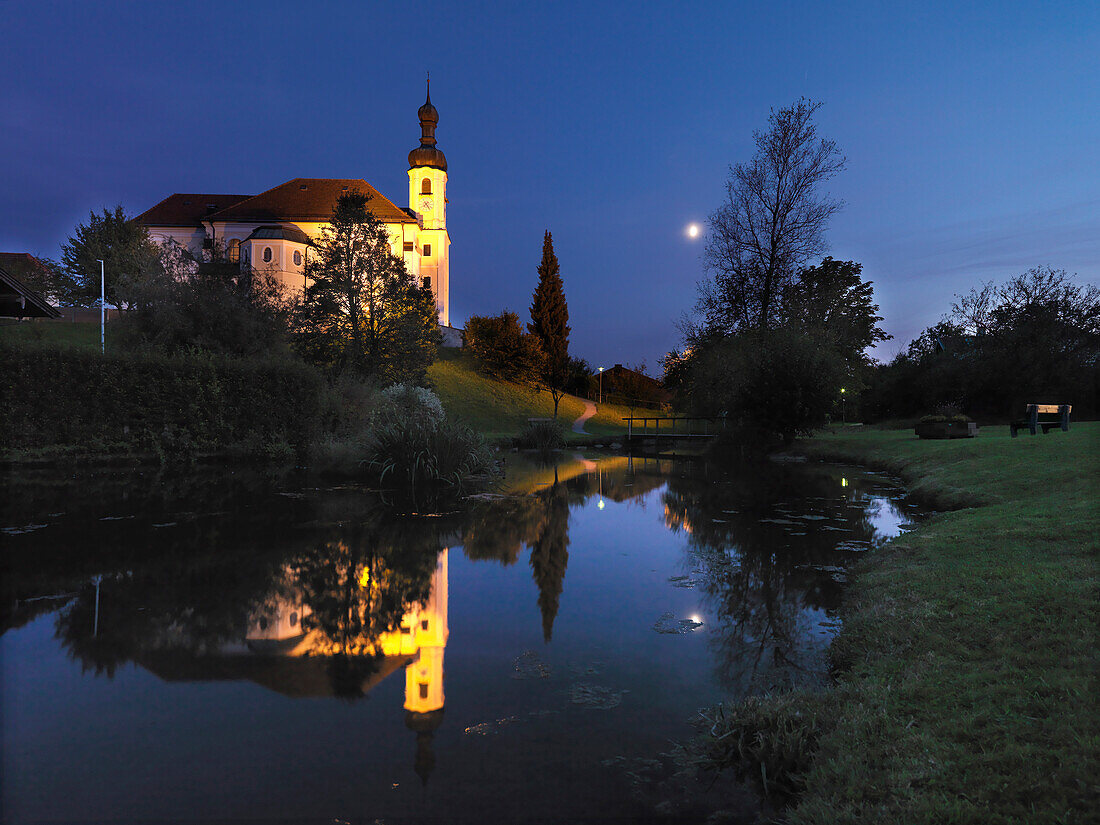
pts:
pixel 17 300
pixel 310 199
pixel 182 209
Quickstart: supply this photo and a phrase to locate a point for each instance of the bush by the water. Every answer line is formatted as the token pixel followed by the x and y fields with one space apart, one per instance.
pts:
pixel 424 459
pixel 542 435
pixel 153 402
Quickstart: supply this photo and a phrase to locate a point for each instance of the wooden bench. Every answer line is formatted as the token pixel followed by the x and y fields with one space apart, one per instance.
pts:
pixel 1047 416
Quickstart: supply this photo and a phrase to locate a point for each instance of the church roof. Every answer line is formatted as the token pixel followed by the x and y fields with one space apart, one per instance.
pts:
pixel 183 209
pixel 310 199
pixel 286 233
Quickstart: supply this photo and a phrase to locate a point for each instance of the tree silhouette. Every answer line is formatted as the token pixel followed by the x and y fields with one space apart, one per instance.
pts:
pixel 550 555
pixel 550 321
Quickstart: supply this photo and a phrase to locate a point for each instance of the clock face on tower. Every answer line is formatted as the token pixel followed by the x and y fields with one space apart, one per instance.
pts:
pixel 426 204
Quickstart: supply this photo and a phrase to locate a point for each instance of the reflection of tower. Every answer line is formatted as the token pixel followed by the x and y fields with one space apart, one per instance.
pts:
pixel 424 676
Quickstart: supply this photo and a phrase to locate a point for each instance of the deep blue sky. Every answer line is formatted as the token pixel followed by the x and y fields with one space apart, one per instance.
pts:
pixel 972 132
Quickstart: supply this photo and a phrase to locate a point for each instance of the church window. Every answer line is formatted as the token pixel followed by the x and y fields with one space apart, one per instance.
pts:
pixel 423 690
pixel 267 254
pixel 297 258
pixel 234 251
pixel 427 250
pixel 293 618
pixel 408 246
pixel 405 629
pixel 424 624
pixel 263 622
pixel 426 282
pixel 426 186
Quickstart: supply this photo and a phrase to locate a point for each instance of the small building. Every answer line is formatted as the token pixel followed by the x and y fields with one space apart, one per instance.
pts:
pixel 17 300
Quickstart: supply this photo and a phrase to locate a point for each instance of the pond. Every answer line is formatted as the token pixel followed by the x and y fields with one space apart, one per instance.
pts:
pixel 234 645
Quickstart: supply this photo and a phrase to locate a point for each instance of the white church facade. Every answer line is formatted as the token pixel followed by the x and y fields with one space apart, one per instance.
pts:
pixel 273 231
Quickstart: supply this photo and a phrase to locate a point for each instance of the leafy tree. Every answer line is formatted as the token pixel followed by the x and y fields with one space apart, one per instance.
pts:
pixel 1033 338
pixel 503 350
pixel 550 322
pixel 131 260
pixel 209 306
pixel 361 310
pixel 831 302
pixel 772 222
pixel 771 385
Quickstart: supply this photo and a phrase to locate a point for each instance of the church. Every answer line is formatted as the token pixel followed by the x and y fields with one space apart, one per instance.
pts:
pixel 272 231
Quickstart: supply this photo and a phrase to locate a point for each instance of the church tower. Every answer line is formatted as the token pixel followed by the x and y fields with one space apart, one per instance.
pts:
pixel 428 199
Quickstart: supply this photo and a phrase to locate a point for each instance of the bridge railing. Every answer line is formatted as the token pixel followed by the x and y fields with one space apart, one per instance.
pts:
pixel 678 426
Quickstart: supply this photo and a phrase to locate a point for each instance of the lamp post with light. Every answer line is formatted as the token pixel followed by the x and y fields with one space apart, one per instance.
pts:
pixel 102 305
pixel 601 385
pixel 843 406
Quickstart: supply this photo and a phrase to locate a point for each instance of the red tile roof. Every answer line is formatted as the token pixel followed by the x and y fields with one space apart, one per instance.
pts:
pixel 310 199
pixel 187 210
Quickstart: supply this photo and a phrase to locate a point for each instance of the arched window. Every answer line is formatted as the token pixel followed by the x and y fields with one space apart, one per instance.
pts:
pixel 426 186
pixel 297 258
pixel 267 254
pixel 234 251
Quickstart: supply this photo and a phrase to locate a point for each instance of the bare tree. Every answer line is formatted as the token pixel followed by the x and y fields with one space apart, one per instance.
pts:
pixel 772 223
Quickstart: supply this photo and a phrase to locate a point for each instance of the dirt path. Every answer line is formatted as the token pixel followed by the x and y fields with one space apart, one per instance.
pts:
pixel 589 411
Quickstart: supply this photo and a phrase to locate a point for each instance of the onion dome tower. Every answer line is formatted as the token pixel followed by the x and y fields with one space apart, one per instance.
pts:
pixel 428 200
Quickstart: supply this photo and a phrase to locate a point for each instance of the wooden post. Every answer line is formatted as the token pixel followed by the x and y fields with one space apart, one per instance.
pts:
pixel 1032 417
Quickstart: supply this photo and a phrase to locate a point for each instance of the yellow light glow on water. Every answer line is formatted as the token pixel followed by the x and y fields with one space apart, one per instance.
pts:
pixel 844 482
pixel 364 580
pixel 693 230
pixel 600 505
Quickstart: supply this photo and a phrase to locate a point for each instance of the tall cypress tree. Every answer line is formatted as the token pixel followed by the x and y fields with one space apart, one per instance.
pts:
pixel 550 321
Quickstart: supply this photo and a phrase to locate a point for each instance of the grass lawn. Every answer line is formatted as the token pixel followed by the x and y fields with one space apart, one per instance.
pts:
pixel 62 333
pixel 500 409
pixel 968 660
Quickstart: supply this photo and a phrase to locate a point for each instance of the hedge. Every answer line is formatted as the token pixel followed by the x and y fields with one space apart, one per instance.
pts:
pixel 62 396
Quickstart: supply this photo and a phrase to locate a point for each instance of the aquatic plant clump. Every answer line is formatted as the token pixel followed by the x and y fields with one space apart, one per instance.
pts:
pixel 420 457
pixel 542 435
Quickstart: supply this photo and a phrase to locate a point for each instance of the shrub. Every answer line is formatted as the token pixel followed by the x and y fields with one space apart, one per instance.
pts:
pixel 426 461
pixel 416 402
pixel 542 435
pixel 171 405
pixel 503 349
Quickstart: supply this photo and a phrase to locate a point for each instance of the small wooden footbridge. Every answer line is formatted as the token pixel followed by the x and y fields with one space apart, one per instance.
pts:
pixel 645 431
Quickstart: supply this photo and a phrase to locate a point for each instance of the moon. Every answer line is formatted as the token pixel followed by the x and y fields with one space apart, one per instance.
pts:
pixel 693 230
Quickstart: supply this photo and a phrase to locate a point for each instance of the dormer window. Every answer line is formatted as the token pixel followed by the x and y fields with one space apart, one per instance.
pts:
pixel 426 186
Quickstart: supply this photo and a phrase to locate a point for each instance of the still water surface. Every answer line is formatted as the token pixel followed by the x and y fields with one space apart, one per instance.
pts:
pixel 232 646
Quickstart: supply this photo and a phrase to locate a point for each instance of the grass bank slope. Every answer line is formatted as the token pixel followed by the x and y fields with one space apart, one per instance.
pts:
pixel 61 333
pixel 968 659
pixel 500 409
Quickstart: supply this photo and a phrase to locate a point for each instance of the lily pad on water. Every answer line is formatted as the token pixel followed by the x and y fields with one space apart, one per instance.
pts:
pixel 668 623
pixel 595 697
pixel 489 728
pixel 529 666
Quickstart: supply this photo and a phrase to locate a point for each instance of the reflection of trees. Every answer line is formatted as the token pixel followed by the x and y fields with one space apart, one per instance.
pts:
pixel 355 581
pixel 359 587
pixel 550 555
pixel 761 582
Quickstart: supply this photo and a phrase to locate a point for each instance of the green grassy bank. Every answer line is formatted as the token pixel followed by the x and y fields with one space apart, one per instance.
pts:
pixel 967 664
pixel 500 409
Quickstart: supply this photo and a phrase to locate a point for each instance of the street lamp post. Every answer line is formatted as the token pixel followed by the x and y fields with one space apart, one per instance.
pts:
pixel 843 406
pixel 102 307
pixel 601 385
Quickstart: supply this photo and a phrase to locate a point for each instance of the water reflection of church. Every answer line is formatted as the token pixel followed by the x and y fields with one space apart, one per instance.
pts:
pixel 282 652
